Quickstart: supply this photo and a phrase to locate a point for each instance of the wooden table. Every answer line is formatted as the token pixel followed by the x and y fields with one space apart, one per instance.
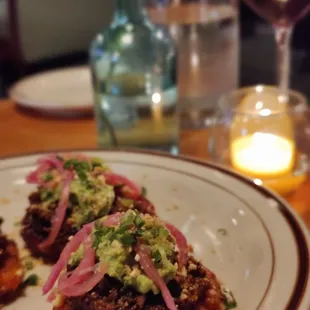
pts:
pixel 24 133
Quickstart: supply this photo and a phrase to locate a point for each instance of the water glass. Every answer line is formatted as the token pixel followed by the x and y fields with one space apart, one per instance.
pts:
pixel 207 36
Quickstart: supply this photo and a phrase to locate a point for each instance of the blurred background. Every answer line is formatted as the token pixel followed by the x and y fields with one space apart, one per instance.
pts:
pixel 37 36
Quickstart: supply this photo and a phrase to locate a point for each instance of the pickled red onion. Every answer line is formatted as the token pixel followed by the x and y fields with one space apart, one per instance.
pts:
pixel 51 161
pixel 44 164
pixel 70 248
pixel 132 190
pixel 81 273
pixel 73 245
pixel 145 203
pixel 60 213
pixel 113 220
pixel 34 176
pixel 80 157
pixel 181 244
pixel 77 275
pixel 88 284
pixel 150 270
pixel 52 296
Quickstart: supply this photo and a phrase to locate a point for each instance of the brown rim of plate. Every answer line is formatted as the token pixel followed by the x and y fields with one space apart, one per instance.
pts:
pixel 299 236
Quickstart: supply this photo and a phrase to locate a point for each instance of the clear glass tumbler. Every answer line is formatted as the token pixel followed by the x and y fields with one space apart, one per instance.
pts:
pixel 207 36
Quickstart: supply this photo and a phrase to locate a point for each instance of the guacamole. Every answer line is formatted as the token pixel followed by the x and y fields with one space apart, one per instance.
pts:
pixel 114 246
pixel 90 197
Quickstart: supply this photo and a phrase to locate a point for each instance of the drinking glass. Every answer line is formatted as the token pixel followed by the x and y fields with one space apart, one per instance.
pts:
pixel 282 15
pixel 206 33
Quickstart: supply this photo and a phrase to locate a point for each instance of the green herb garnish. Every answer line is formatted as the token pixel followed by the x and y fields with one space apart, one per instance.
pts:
pixel 46 194
pixel 81 167
pixel 31 280
pixel 59 158
pixel 156 256
pixel 229 300
pixel 122 229
pixel 128 218
pixel 222 231
pixel 143 191
pixel 138 221
pixel 97 162
pixel 127 239
pixel 163 232
pixel 100 232
pixel 48 177
pixel 155 232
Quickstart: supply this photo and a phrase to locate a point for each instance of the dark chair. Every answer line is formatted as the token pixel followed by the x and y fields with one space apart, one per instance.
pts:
pixel 10 49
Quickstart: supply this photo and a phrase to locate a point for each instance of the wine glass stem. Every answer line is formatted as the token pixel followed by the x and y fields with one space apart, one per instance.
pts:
pixel 283 39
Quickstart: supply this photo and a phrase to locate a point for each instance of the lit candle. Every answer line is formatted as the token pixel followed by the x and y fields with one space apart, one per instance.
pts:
pixel 263 155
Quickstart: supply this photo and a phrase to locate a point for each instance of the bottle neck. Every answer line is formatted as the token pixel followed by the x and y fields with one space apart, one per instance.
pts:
pixel 130 11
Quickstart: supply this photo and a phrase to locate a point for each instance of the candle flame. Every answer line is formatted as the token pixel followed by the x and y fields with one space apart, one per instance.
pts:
pixel 263 154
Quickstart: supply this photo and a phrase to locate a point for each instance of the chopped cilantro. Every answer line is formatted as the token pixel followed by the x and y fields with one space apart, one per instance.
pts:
pixel 81 167
pixel 100 232
pixel 31 280
pixel 229 300
pixel 139 232
pixel 143 191
pixel 155 231
pixel 222 231
pixel 98 225
pixel 138 221
pixel 82 175
pixel 156 256
pixel 163 232
pixel 128 218
pixel 48 177
pixel 59 158
pixel 123 228
pixel 127 239
pixel 97 162
pixel 46 194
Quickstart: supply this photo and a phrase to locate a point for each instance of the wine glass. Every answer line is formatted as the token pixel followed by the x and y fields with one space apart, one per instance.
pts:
pixel 282 14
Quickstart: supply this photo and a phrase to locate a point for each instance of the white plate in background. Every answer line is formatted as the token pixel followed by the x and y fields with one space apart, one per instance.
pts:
pixel 57 92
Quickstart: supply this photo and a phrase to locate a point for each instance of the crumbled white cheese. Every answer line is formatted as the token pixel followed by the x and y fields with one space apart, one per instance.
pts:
pixel 192 266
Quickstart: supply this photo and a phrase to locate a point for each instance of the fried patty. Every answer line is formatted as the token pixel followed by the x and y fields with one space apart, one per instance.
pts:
pixel 11 269
pixel 36 225
pixel 199 289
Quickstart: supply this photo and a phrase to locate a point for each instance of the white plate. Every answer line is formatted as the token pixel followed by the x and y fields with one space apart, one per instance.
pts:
pixel 263 258
pixel 61 92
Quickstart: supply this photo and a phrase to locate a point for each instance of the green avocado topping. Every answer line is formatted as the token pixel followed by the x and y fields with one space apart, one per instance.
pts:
pixel 90 197
pixel 115 246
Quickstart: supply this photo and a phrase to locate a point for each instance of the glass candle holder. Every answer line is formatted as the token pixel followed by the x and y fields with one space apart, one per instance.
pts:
pixel 263 134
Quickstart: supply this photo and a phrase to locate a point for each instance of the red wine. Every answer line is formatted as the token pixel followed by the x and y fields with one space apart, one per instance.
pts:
pixel 280 12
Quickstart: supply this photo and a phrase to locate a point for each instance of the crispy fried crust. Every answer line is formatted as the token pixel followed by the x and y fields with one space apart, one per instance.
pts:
pixel 198 290
pixel 36 225
pixel 11 270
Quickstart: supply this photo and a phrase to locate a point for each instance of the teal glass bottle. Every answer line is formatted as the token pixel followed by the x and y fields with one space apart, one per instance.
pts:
pixel 134 76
